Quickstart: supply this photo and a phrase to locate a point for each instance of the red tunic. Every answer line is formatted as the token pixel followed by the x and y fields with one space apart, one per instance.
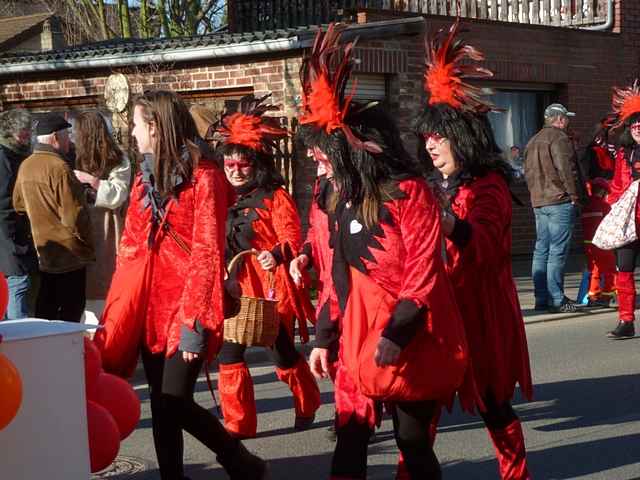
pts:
pixel 622 178
pixel 268 220
pixel 485 291
pixel 394 264
pixel 183 288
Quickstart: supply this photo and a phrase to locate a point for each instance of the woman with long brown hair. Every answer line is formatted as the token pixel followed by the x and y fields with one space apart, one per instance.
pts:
pixel 106 173
pixel 176 220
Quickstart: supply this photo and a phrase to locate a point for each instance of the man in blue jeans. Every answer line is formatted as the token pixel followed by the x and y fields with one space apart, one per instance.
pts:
pixel 18 262
pixel 551 171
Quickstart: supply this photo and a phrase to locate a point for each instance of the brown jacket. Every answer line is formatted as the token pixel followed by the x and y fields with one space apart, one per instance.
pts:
pixel 48 192
pixel 551 168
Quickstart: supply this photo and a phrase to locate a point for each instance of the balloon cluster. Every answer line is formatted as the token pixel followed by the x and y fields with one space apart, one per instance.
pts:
pixel 113 409
pixel 10 381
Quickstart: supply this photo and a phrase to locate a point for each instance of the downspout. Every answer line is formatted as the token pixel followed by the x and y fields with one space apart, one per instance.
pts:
pixel 608 24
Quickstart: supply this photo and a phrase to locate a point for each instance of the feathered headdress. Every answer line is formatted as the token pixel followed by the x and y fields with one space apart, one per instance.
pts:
pixel 625 103
pixel 446 72
pixel 249 127
pixel 324 102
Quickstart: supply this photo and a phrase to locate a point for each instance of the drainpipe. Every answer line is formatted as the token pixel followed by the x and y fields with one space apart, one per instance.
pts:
pixel 608 24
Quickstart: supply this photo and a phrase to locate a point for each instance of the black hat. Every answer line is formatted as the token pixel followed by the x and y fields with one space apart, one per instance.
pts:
pixel 50 123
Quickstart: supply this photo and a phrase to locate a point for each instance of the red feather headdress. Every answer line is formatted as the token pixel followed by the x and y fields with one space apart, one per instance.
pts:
pixel 445 73
pixel 625 103
pixel 324 102
pixel 249 127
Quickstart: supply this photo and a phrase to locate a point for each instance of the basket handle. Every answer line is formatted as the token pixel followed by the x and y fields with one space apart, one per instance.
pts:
pixel 253 251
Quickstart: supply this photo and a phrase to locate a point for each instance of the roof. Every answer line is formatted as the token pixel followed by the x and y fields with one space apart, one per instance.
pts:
pixel 122 52
pixel 11 27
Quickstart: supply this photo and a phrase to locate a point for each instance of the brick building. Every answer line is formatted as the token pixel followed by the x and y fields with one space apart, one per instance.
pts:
pixel 534 64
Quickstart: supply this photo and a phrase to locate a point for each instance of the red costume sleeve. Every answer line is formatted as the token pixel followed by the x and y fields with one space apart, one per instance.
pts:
pixel 421 235
pixel 487 221
pixel 203 286
pixel 136 224
pixel 621 177
pixel 286 224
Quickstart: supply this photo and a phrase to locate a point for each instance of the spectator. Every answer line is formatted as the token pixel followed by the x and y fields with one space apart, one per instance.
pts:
pixel 551 173
pixel 106 174
pixel 516 162
pixel 49 194
pixel 17 256
pixel 601 263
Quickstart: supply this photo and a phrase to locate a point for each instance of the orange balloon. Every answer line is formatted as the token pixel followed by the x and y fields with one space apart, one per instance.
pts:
pixel 11 388
pixel 4 296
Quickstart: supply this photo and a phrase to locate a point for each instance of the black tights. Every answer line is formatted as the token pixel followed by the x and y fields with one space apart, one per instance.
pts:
pixel 171 385
pixel 497 416
pixel 627 255
pixel 409 420
pixel 283 353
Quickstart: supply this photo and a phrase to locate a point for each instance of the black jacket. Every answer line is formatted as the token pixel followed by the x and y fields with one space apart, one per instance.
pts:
pixel 17 254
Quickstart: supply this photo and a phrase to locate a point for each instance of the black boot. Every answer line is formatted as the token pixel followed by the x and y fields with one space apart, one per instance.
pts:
pixel 244 465
pixel 623 330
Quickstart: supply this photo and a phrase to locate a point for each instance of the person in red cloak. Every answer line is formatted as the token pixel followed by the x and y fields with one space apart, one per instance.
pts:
pixel 176 215
pixel 626 117
pixel 459 148
pixel 397 312
pixel 263 219
pixel 601 263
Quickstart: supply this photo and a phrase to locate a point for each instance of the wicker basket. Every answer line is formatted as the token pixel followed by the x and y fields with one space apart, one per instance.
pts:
pixel 256 323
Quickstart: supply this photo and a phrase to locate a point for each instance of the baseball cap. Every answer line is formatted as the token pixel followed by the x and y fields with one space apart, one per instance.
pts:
pixel 50 123
pixel 557 109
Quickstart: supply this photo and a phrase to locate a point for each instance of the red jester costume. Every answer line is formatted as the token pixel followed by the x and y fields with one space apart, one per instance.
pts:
pixel 264 220
pixel 626 117
pixel 476 202
pixel 397 312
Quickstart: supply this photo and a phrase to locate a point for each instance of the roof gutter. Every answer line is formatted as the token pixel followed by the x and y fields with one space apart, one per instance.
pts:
pixel 181 55
pixel 608 24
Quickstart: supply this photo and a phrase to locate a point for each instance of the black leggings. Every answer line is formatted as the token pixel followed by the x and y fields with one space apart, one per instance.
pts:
pixel 409 420
pixel 283 353
pixel 497 416
pixel 171 385
pixel 627 255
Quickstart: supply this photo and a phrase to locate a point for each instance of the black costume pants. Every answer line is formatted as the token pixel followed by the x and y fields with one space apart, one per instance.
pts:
pixel 62 296
pixel 283 353
pixel 627 255
pixel 409 420
pixel 171 386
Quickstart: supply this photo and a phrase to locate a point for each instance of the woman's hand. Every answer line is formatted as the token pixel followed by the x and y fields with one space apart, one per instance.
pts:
pixel 84 177
pixel 387 353
pixel 296 267
pixel 189 357
pixel 319 362
pixel 266 260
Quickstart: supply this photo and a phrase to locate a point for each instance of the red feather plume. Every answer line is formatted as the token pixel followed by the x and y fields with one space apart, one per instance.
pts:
pixel 249 127
pixel 625 102
pixel 445 73
pixel 324 102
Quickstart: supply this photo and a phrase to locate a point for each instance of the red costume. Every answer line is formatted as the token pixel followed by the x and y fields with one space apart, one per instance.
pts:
pixel 263 218
pixel 183 288
pixel 601 263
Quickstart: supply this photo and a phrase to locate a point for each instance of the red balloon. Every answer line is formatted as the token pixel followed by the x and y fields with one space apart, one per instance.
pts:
pixel 4 296
pixel 104 438
pixel 92 367
pixel 117 396
pixel 10 390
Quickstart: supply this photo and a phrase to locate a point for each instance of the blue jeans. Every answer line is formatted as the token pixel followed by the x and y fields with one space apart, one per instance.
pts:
pixel 554 226
pixel 19 288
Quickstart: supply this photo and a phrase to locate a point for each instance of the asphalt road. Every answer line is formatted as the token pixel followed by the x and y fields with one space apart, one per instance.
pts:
pixel 583 423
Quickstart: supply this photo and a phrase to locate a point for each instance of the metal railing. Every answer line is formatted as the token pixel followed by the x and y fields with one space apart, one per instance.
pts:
pixel 257 15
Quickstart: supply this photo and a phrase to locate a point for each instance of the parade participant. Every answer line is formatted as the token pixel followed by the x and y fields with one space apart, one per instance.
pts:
pixel 601 263
pixel 626 116
pixel 472 178
pixel 264 219
pixel 598 158
pixel 177 211
pixel 397 311
pixel 105 172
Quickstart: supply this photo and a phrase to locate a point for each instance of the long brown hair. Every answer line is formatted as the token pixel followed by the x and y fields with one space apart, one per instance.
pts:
pixel 96 151
pixel 175 132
